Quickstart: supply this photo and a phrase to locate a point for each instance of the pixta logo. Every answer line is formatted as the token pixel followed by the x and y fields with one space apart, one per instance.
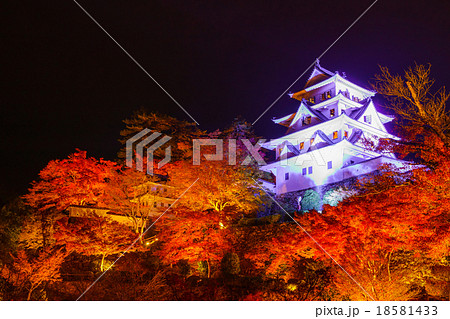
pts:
pixel 288 153
pixel 142 141
pixel 145 143
pixel 218 156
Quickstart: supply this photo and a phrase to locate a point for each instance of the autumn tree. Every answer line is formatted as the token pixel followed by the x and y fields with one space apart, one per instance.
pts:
pixel 219 193
pixel 194 236
pixel 95 236
pixel 226 183
pixel 77 180
pixel 128 193
pixel 424 120
pixel 31 236
pixel 243 133
pixel 219 187
pixel 12 218
pixel 385 240
pixel 32 270
pixel 181 132
pixel 133 282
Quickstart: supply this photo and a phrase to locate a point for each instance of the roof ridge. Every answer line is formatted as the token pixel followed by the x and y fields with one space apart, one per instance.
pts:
pixel 322 69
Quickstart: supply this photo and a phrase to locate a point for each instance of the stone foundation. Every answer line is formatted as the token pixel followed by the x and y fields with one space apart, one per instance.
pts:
pixel 289 201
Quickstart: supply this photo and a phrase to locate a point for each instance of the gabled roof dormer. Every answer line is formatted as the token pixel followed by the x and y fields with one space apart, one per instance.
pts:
pixel 318 75
pixel 319 139
pixel 370 116
pixel 288 150
pixel 304 117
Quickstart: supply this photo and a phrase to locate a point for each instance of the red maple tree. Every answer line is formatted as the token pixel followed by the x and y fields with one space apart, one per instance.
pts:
pixel 194 236
pixel 95 236
pixel 380 241
pixel 77 180
pixel 31 270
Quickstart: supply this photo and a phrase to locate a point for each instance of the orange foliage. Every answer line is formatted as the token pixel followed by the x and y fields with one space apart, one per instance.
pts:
pixel 194 237
pixel 376 237
pixel 32 271
pixel 77 180
pixel 220 186
pixel 95 236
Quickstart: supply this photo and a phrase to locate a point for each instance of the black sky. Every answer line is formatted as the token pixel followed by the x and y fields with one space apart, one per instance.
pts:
pixel 66 85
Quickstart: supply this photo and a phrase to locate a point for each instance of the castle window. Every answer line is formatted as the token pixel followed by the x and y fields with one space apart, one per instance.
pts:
pixel 368 119
pixel 304 171
pixel 308 120
pixel 345 134
pixel 324 96
pixel 330 165
pixel 279 149
pixel 335 135
pixel 311 141
pixel 286 176
pixel 312 99
pixel 328 95
pixel 154 204
pixel 332 112
pixel 302 145
pixel 310 170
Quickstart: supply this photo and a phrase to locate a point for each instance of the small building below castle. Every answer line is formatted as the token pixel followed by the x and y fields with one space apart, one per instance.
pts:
pixel 152 198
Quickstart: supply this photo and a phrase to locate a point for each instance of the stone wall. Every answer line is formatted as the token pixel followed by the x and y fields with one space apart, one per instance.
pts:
pixel 289 201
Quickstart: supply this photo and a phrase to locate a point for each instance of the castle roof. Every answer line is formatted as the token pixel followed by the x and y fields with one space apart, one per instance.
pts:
pixel 318 75
pixel 356 114
pixel 304 108
pixel 312 131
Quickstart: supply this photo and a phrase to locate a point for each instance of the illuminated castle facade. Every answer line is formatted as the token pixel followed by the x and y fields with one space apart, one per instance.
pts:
pixel 324 139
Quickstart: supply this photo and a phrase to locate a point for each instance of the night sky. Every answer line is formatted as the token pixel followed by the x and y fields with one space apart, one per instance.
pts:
pixel 66 85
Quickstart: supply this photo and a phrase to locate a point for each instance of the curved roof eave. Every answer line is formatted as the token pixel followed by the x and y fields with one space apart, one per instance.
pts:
pixel 343 117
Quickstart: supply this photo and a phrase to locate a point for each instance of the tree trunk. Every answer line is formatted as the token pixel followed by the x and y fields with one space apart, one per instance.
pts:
pixel 30 291
pixel 141 231
pixel 102 263
pixel 389 266
pixel 209 268
pixel 416 100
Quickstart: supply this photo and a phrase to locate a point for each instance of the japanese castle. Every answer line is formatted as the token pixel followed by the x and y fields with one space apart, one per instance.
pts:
pixel 324 141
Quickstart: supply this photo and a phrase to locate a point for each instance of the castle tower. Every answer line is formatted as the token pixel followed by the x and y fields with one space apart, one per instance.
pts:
pixel 324 141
